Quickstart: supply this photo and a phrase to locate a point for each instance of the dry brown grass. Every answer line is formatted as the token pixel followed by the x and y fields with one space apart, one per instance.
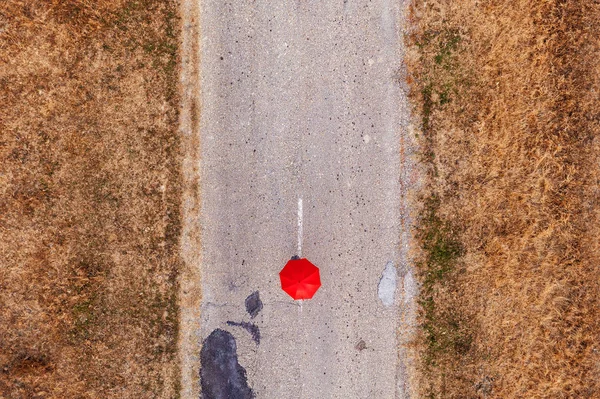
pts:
pixel 89 199
pixel 508 93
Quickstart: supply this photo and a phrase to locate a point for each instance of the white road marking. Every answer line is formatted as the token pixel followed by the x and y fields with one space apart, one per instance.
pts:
pixel 300 227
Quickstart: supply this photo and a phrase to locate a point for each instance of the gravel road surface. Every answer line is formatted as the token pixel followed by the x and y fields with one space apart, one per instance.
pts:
pixel 301 100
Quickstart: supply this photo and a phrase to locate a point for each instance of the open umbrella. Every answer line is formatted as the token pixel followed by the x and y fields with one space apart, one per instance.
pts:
pixel 300 278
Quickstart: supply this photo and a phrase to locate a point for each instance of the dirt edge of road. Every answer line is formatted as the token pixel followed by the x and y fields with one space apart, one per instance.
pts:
pixel 190 295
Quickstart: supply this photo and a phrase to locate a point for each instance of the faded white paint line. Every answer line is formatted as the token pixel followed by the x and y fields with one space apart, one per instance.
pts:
pixel 300 227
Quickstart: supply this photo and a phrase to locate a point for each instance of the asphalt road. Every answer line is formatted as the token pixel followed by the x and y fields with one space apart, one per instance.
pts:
pixel 301 99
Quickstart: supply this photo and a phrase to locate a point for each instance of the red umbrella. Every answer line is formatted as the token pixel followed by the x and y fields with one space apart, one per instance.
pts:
pixel 300 278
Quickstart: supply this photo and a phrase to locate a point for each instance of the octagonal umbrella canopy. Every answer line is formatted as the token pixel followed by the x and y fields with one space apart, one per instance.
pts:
pixel 300 278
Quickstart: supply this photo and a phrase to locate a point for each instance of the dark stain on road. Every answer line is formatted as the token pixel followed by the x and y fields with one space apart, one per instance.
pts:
pixel 221 375
pixel 250 327
pixel 253 304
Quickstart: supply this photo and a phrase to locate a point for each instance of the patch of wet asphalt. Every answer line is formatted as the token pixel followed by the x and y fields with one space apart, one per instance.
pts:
pixel 253 304
pixel 221 375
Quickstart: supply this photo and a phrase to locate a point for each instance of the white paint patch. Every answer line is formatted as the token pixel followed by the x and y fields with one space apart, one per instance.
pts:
pixel 300 227
pixel 371 61
pixel 367 138
pixel 387 284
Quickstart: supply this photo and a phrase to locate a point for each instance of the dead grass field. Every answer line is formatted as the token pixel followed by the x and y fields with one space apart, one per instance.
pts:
pixel 508 96
pixel 89 199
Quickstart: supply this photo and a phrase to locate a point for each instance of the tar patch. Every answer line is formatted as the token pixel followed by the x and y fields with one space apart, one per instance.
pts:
pixel 221 375
pixel 253 304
